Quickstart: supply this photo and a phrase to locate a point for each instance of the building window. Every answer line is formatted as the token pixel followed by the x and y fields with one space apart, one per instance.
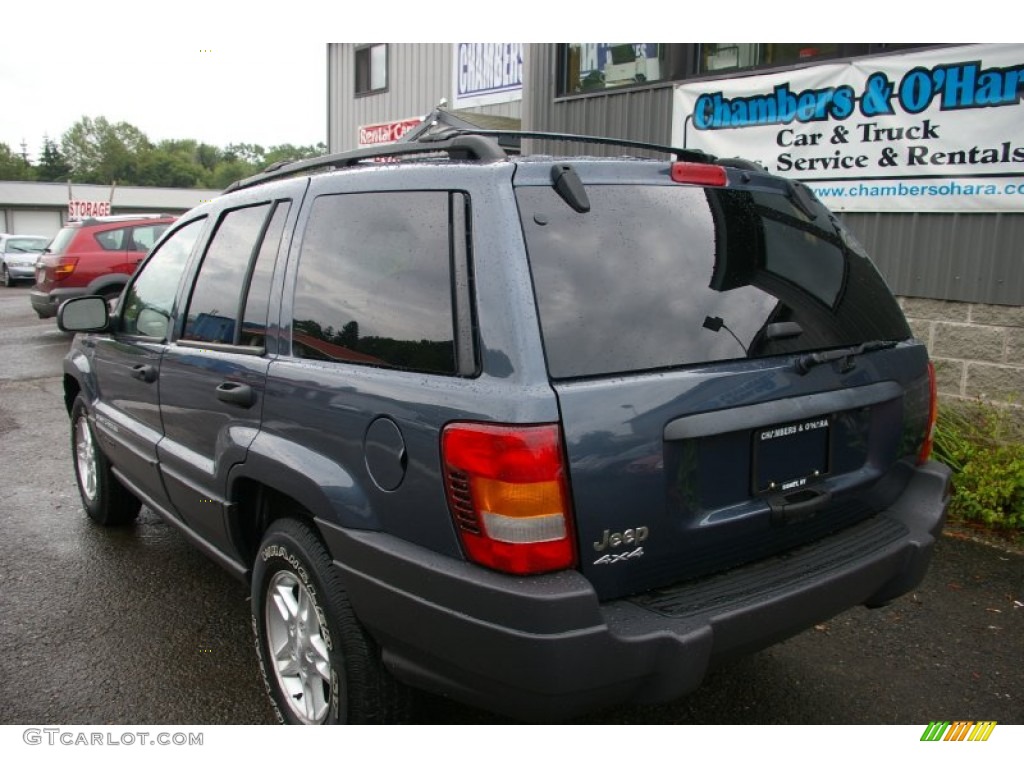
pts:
pixel 717 57
pixel 371 68
pixel 596 66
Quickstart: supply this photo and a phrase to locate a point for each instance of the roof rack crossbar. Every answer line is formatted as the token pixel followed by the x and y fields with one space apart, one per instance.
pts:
pixel 461 147
pixel 691 155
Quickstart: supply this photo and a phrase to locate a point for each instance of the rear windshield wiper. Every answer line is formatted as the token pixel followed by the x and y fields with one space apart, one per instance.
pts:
pixel 806 362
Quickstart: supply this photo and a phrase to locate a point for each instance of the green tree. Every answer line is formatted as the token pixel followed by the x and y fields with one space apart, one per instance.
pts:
pixel 290 152
pixel 13 166
pixel 161 168
pixel 52 165
pixel 229 171
pixel 247 153
pixel 101 152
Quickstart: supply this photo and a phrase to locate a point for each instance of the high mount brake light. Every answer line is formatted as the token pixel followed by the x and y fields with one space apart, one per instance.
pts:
pixel 933 413
pixel 699 173
pixel 509 497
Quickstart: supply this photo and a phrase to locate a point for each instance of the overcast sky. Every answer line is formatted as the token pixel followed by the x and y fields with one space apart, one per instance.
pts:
pixel 242 72
pixel 221 93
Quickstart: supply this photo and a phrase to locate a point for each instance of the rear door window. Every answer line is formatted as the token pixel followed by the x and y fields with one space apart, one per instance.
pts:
pixel 662 276
pixel 143 238
pixel 234 278
pixel 113 239
pixel 374 284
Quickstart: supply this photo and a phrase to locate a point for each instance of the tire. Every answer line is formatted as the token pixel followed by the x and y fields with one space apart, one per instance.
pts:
pixel 328 670
pixel 5 277
pixel 111 295
pixel 105 500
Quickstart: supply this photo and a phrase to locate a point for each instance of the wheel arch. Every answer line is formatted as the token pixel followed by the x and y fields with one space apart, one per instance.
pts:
pixel 278 481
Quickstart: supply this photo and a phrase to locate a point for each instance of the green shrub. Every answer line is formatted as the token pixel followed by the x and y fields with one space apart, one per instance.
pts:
pixel 984 445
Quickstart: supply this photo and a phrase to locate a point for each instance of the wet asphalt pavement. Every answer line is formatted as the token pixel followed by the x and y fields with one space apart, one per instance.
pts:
pixel 134 626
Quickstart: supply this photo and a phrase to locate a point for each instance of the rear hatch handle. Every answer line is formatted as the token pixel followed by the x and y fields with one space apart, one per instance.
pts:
pixel 799 505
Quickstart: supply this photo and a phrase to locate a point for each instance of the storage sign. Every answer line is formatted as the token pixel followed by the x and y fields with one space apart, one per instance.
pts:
pixel 85 209
pixel 941 130
pixel 487 73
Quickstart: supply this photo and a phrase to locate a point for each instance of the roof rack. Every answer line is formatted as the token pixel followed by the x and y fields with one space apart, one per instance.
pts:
pixel 461 147
pixel 458 144
pixel 690 155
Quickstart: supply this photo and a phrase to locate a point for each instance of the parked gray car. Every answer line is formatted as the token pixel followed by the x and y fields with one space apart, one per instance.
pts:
pixel 18 255
pixel 542 434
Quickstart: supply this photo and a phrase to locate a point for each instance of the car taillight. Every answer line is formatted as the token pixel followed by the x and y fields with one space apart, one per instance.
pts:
pixel 509 496
pixel 65 266
pixel 698 173
pixel 933 413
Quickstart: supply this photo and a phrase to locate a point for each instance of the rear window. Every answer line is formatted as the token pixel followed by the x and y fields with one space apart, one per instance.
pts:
pixel 661 276
pixel 62 240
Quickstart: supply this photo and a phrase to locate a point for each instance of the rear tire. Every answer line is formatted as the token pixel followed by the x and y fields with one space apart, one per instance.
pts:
pixel 105 500
pixel 318 663
pixel 111 296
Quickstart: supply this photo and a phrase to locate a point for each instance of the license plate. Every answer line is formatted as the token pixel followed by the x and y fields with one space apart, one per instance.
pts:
pixel 790 456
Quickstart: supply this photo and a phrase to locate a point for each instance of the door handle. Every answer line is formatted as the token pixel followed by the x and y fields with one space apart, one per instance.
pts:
pixel 236 394
pixel 143 372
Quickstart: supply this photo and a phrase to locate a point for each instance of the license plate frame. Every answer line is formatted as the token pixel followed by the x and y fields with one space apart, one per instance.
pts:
pixel 791 455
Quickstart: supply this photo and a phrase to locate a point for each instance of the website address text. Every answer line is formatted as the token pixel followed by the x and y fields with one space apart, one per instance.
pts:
pixel 900 189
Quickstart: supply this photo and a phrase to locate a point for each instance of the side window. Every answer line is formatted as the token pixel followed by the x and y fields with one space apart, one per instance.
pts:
pixel 231 284
pixel 257 305
pixel 374 282
pixel 143 238
pixel 150 298
pixel 112 239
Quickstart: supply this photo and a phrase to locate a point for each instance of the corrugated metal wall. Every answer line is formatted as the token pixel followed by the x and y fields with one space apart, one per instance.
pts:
pixel 419 76
pixel 959 257
pixel 643 114
pixel 974 257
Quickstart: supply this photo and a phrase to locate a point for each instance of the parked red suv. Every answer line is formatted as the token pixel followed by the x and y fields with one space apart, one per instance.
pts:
pixel 94 256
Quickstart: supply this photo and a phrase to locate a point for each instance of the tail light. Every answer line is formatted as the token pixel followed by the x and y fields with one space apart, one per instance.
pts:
pixel 509 497
pixel 933 412
pixel 65 266
pixel 698 173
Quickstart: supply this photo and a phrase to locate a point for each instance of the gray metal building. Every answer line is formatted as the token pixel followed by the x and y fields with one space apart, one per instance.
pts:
pixel 377 91
pixel 919 148
pixel 41 208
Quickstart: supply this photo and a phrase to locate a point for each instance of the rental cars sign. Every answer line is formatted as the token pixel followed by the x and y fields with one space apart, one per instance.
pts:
pixel 941 130
pixel 386 133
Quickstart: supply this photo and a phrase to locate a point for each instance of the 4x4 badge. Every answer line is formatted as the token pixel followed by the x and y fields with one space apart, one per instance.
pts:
pixel 619 557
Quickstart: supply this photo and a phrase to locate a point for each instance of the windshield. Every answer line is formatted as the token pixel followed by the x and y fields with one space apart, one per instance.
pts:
pixel 26 244
pixel 661 276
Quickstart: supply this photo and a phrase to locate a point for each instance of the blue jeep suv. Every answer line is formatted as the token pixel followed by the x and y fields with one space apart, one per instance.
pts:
pixel 542 434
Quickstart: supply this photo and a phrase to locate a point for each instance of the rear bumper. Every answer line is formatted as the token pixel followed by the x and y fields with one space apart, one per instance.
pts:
pixel 19 272
pixel 544 648
pixel 46 304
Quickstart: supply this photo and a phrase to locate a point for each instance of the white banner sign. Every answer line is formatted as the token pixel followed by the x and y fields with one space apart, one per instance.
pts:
pixel 86 209
pixel 487 73
pixel 940 130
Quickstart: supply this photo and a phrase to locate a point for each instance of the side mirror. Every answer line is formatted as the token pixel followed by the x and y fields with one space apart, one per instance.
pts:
pixel 86 314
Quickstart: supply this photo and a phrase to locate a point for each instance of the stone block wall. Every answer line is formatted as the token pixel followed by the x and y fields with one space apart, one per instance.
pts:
pixel 978 349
